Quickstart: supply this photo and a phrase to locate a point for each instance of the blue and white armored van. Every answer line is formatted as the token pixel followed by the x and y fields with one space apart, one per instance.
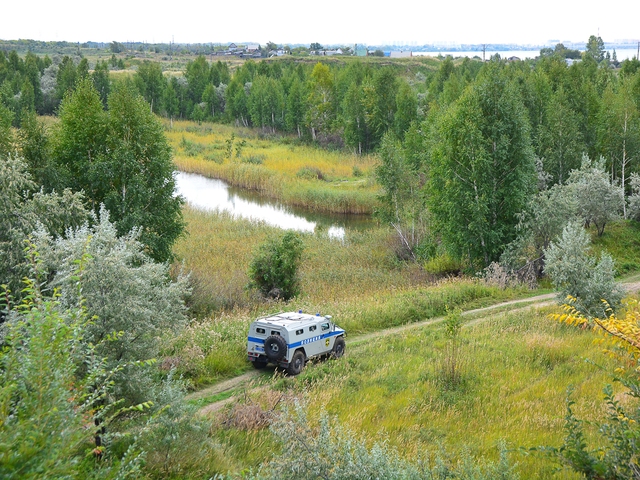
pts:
pixel 290 339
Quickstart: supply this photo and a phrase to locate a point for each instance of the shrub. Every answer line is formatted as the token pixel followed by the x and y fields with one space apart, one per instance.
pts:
pixel 132 298
pixel 274 269
pixel 443 265
pixel 332 452
pixel 615 455
pixel 176 439
pixel 450 362
pixel 575 272
pixel 310 173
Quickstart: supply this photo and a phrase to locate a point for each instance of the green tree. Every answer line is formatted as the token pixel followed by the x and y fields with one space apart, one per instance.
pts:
pixel 295 107
pixel 402 205
pixel 6 134
pixel 445 70
pixel 197 75
pixel 559 139
pixel 170 101
pixel 82 70
pixel 356 133
pixel 214 98
pixel 266 103
pixel 66 77
pixel 101 81
pixel 122 159
pixel 274 268
pixel 139 173
pixel 151 84
pixel 237 102
pixel 481 168
pixel 619 134
pixel 406 109
pixel 320 112
pixel 595 48
pixel 35 148
pixel 80 142
pixel 27 102
pixel 385 89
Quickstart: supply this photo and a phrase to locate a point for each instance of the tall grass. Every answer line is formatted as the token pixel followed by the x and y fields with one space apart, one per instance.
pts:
pixel 357 280
pixel 278 168
pixel 513 388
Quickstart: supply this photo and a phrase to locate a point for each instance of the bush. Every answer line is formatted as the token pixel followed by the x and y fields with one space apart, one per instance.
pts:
pixel 443 265
pixel 578 274
pixel 274 269
pixel 334 453
pixel 310 173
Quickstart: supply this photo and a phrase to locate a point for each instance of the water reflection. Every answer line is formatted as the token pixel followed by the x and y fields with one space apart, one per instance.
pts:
pixel 212 194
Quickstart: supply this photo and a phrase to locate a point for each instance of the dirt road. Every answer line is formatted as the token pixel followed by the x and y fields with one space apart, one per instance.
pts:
pixel 237 383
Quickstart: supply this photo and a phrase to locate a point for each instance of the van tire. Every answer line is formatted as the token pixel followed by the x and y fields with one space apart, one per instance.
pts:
pixel 275 348
pixel 297 363
pixel 338 348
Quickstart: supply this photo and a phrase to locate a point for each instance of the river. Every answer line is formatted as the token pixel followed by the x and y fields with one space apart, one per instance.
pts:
pixel 215 195
pixel 621 54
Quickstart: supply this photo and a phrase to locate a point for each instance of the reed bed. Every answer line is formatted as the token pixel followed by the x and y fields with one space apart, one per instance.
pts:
pixel 278 167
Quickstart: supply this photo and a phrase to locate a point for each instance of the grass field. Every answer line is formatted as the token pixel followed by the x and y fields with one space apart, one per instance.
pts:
pixel 516 370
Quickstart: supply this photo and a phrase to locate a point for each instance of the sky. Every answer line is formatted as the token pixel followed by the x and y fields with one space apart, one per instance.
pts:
pixel 327 22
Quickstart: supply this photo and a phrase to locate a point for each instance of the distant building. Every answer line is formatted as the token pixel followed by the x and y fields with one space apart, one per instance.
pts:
pixel 514 59
pixel 400 54
pixel 252 47
pixel 232 47
pixel 361 52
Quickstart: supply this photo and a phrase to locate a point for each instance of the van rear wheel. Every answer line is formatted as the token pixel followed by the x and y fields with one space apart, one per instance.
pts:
pixel 275 348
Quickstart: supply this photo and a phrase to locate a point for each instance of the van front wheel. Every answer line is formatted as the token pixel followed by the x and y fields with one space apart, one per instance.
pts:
pixel 338 348
pixel 297 363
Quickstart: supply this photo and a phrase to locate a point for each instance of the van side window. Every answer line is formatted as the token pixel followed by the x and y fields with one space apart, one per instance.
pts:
pixel 324 326
pixel 275 332
pixel 312 328
pixel 260 330
pixel 299 332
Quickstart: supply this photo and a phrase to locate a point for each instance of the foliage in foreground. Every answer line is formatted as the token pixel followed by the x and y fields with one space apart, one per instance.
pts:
pixel 23 209
pixel 332 452
pixel 53 388
pixel 616 454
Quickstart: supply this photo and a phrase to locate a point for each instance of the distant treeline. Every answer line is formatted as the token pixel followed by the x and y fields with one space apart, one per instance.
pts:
pixel 350 103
